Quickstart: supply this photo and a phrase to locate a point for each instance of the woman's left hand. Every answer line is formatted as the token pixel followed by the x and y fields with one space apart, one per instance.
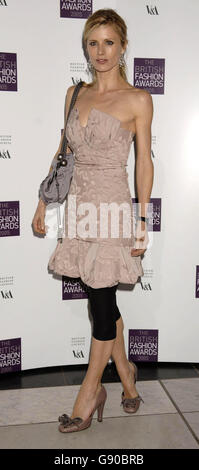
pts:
pixel 141 239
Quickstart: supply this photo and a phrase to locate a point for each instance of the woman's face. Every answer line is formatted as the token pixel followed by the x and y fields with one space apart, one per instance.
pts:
pixel 104 48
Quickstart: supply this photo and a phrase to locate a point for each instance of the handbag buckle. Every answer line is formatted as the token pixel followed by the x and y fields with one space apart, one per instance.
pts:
pixel 61 160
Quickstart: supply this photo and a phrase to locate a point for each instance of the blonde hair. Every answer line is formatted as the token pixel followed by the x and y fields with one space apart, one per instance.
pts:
pixel 101 17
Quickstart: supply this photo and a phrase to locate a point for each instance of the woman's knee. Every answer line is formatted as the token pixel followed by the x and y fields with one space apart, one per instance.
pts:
pixel 104 323
pixel 104 314
pixel 104 334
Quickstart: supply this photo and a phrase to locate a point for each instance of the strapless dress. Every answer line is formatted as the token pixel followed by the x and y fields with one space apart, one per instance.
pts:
pixel 100 179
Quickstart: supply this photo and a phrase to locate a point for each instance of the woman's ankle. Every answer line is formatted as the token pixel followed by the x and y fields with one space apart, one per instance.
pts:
pixel 123 369
pixel 91 387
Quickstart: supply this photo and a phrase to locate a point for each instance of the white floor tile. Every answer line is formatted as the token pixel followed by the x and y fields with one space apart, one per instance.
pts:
pixel 184 392
pixel 42 405
pixel 193 420
pixel 164 431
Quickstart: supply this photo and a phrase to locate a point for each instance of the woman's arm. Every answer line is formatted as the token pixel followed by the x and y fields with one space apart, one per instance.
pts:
pixel 39 217
pixel 144 166
pixel 68 100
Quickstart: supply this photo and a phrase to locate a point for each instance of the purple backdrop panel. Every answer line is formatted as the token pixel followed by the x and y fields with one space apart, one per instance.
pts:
pixel 9 218
pixel 149 74
pixel 76 8
pixel 73 289
pixel 8 71
pixel 143 345
pixel 10 355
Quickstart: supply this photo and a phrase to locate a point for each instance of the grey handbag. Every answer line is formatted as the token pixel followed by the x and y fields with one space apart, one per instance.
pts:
pixel 55 187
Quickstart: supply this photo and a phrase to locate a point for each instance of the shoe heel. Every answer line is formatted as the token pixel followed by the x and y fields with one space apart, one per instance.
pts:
pixel 100 411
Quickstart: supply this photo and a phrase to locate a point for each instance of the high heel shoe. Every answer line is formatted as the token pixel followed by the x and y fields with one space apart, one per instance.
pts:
pixel 78 424
pixel 131 405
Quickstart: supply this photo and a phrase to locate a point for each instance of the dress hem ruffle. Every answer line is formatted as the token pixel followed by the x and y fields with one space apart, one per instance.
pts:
pixel 96 264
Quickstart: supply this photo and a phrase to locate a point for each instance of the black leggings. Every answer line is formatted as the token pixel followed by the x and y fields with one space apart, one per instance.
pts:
pixel 104 311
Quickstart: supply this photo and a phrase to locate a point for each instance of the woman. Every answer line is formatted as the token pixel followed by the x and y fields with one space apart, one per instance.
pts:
pixel 107 114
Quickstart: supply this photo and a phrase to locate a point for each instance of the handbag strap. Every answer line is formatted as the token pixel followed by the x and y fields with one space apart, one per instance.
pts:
pixel 74 97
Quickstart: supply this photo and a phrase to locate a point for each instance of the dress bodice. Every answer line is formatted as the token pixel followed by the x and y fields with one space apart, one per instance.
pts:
pixel 102 142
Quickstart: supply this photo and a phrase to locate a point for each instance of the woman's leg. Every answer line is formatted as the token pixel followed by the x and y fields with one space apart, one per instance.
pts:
pixel 124 369
pixel 99 355
pixel 107 341
pixel 102 302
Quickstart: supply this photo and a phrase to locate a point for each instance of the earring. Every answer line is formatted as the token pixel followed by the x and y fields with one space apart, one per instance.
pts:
pixel 90 66
pixel 122 61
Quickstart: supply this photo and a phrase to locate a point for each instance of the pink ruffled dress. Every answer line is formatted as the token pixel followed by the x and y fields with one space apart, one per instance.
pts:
pixel 99 251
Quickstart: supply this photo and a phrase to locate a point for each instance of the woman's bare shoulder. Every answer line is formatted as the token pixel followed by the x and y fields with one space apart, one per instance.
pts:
pixel 140 98
pixel 138 92
pixel 71 89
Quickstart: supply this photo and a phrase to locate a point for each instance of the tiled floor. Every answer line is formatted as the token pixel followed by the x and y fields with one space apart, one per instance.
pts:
pixel 31 401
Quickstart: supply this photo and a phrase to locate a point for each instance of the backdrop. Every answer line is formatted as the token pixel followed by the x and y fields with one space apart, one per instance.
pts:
pixel 45 320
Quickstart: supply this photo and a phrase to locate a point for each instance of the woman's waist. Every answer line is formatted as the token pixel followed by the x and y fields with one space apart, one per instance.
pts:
pixel 100 187
pixel 101 165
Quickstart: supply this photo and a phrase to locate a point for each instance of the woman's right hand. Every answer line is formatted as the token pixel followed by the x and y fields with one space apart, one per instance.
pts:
pixel 38 221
